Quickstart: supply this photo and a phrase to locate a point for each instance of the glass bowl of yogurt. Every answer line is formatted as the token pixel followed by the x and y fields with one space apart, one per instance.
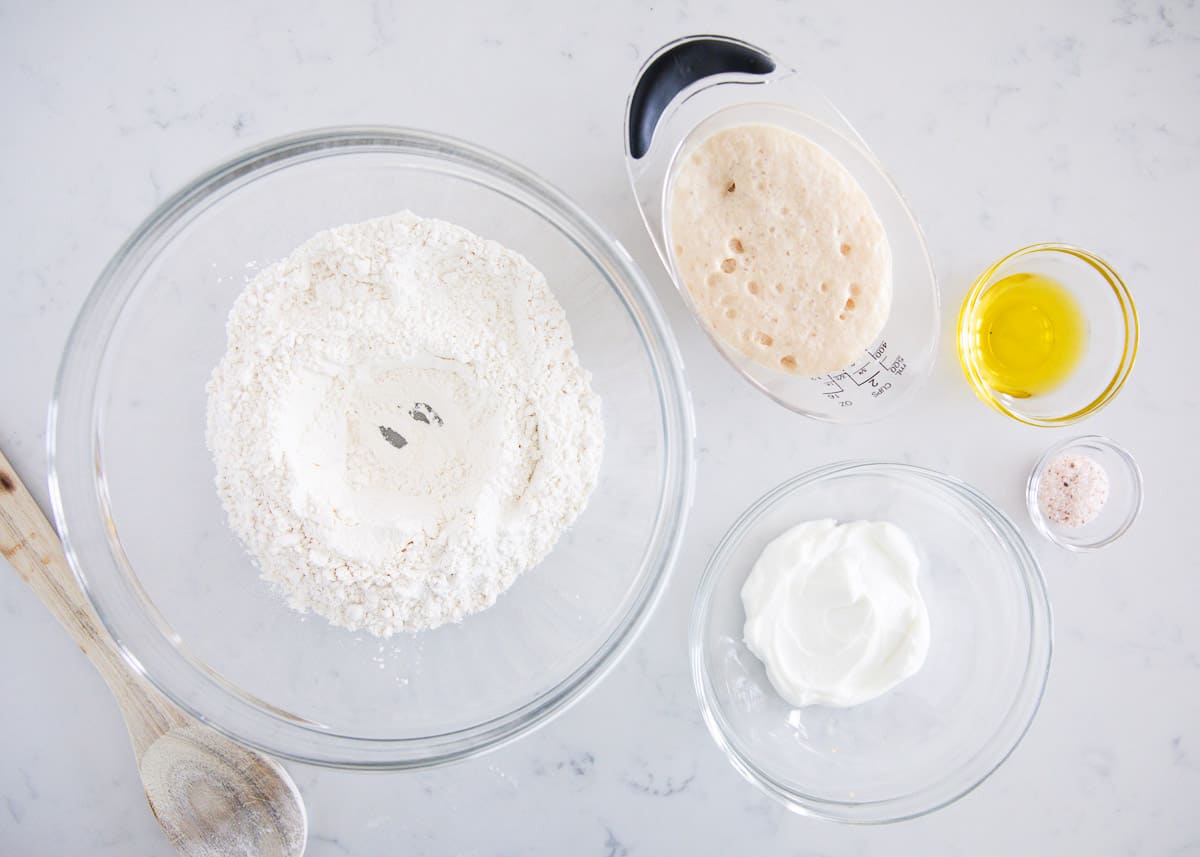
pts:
pixel 897 743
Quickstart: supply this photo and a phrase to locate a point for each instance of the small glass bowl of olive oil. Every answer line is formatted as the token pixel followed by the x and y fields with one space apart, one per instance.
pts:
pixel 1048 334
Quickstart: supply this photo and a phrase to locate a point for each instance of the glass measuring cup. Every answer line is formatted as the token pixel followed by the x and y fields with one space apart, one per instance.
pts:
pixel 693 87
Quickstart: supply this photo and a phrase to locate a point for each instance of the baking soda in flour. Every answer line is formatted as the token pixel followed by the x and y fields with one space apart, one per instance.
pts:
pixel 400 424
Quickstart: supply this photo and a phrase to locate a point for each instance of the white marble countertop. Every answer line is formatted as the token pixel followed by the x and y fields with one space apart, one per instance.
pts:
pixel 1005 124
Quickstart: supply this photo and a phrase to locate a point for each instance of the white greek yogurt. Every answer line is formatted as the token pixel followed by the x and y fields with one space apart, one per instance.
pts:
pixel 834 612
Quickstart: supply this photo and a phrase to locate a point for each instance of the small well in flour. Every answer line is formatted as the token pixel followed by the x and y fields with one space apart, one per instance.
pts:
pixel 781 251
pixel 400 424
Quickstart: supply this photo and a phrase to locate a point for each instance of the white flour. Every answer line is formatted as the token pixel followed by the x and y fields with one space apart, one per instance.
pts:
pixel 400 424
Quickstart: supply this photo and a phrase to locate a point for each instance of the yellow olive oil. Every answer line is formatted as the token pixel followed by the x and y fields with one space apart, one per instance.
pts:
pixel 1028 334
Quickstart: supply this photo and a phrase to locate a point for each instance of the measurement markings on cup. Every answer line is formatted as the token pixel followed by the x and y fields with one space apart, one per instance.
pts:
pixel 865 375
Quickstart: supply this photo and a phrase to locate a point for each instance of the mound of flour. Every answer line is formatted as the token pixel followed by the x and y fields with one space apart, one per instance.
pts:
pixel 400 424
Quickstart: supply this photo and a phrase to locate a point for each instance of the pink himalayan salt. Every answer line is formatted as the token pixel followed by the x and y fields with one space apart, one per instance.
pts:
pixel 1073 489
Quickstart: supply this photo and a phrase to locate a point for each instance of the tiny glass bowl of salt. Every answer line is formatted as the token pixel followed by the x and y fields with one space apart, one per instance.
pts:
pixel 1084 493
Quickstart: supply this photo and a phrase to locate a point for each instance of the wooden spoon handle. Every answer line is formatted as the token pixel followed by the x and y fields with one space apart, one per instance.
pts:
pixel 29 542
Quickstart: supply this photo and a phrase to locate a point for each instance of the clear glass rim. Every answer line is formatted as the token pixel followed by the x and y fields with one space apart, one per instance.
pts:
pixel 76 473
pixel 1034 507
pixel 1128 351
pixel 1001 743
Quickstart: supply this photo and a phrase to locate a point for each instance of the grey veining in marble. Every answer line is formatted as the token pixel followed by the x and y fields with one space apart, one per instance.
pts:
pixel 1004 122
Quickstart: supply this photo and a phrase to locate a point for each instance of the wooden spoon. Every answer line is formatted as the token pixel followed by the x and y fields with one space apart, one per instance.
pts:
pixel 213 798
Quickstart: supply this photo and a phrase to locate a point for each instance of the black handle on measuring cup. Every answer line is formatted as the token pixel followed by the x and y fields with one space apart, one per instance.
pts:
pixel 678 67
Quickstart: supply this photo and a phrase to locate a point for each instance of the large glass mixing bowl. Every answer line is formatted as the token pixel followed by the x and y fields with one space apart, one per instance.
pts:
pixel 132 480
